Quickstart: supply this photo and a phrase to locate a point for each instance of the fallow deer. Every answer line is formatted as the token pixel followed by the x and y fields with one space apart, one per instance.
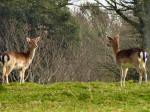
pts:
pixel 18 60
pixel 129 58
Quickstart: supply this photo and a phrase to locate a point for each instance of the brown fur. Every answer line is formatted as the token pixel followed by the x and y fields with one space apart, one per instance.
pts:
pixel 128 55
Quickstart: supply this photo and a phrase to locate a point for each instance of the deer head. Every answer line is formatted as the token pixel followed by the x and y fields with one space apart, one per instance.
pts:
pixel 33 43
pixel 114 42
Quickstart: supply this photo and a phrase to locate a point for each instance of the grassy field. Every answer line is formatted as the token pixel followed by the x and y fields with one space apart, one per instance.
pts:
pixel 75 97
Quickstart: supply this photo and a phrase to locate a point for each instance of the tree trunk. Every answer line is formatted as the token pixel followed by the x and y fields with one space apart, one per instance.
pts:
pixel 146 19
pixel 145 16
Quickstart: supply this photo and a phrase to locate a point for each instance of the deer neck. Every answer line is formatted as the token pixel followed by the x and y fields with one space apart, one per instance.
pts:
pixel 31 53
pixel 116 50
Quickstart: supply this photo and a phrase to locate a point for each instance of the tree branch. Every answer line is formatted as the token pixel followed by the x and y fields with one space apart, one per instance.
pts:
pixel 132 22
pixel 119 8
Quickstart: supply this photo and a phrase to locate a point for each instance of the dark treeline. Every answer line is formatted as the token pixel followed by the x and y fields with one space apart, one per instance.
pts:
pixel 73 45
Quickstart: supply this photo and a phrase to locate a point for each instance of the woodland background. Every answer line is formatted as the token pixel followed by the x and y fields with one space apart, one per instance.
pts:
pixel 73 45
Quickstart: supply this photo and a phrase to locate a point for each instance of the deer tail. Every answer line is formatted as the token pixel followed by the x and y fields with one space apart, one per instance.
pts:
pixel 144 55
pixel 4 57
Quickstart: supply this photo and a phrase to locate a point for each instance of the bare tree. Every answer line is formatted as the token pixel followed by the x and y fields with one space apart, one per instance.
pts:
pixel 135 12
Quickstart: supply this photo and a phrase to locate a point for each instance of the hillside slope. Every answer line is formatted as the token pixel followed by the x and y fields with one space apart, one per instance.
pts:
pixel 75 97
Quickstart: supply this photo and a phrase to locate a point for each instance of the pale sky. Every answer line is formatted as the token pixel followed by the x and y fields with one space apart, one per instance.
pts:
pixel 83 1
pixel 78 2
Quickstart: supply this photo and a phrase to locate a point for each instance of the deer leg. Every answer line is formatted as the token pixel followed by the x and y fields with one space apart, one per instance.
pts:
pixel 140 76
pixel 121 74
pixel 124 75
pixel 139 70
pixel 3 76
pixel 141 73
pixel 145 74
pixel 145 77
pixel 7 72
pixel 22 72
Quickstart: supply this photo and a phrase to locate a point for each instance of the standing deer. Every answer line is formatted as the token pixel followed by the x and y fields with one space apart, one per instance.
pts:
pixel 18 60
pixel 129 58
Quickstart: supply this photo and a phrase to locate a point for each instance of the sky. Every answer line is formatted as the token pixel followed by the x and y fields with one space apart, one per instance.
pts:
pixel 78 2
pixel 83 1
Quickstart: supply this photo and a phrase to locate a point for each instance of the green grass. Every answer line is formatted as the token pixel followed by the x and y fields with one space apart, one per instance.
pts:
pixel 75 97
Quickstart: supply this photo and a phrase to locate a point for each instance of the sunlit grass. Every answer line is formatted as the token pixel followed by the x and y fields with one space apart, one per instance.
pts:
pixel 75 97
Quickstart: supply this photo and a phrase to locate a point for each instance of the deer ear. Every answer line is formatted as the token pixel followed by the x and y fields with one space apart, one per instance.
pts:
pixel 38 38
pixel 117 36
pixel 109 38
pixel 28 39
